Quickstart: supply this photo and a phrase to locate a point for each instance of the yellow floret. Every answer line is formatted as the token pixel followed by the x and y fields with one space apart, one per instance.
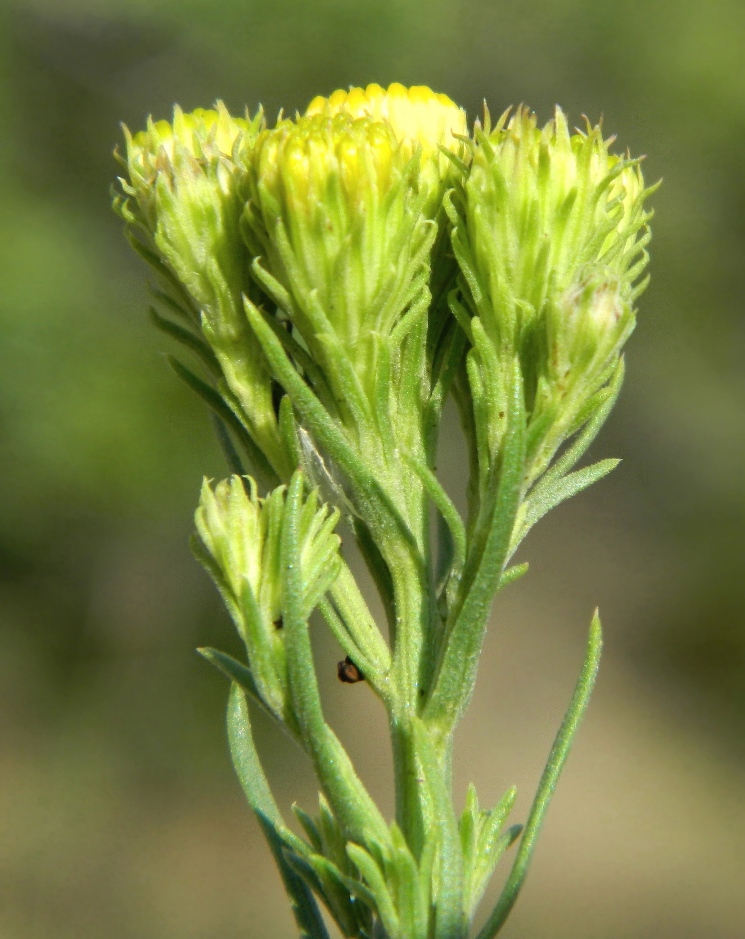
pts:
pixel 417 115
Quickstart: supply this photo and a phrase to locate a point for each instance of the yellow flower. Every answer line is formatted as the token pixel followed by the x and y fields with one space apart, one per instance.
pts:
pixel 418 116
pixel 335 215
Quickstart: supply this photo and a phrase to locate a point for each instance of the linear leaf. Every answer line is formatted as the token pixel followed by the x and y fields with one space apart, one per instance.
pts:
pixel 459 661
pixel 351 802
pixel 544 498
pixel 256 788
pixel 257 460
pixel 556 760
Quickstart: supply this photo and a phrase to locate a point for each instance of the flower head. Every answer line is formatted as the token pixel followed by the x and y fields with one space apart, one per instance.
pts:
pixel 182 202
pixel 550 231
pixel 338 222
pixel 420 119
pixel 239 542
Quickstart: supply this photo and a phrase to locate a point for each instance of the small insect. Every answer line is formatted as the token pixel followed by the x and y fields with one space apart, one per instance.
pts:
pixel 348 672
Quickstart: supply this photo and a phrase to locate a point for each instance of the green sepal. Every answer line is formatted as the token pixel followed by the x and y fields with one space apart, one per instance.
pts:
pixel 256 788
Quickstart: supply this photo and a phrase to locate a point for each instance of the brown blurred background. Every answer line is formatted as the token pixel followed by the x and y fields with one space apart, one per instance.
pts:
pixel 119 813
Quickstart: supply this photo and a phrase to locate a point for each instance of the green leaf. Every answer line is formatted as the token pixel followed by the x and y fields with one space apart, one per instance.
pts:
pixel 483 571
pixel 258 462
pixel 237 672
pixel 556 760
pixel 592 428
pixel 447 510
pixel 370 500
pixel 512 574
pixel 490 845
pixel 547 496
pixel 260 798
pixel 378 888
pixel 450 921
pixel 351 803
pixel 309 826
pixel 188 339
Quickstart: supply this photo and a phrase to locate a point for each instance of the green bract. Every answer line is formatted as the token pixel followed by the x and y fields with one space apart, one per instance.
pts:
pixel 337 277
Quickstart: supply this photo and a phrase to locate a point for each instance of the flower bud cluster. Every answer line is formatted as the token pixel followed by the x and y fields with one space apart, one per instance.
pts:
pixel 421 120
pixel 312 264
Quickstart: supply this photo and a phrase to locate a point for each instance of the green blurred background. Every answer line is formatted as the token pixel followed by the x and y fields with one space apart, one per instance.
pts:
pixel 119 814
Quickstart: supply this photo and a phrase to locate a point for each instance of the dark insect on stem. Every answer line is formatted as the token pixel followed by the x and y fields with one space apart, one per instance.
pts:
pixel 348 672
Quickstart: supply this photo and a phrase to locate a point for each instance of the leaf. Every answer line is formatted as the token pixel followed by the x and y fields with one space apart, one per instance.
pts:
pixel 459 661
pixel 556 760
pixel 512 574
pixel 351 802
pixel 378 888
pixel 577 450
pixel 446 508
pixel 188 339
pixel 547 497
pixel 490 845
pixel 258 462
pixel 256 788
pixel 449 915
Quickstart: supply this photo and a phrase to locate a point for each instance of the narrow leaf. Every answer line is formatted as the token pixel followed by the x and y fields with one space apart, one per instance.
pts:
pixel 544 498
pixel 187 338
pixel 459 661
pixel 445 507
pixel 378 888
pixel 258 462
pixel 450 915
pixel 351 802
pixel 556 760
pixel 256 788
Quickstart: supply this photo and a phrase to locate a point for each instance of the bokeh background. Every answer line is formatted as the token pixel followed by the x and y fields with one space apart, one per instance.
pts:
pixel 119 814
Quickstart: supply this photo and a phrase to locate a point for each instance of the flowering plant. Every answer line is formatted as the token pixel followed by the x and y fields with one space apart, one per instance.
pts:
pixel 337 276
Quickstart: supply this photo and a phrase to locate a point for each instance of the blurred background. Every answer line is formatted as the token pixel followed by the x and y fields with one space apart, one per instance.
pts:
pixel 119 813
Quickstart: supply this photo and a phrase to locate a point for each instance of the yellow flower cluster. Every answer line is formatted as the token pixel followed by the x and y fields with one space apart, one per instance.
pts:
pixel 417 115
pixel 420 120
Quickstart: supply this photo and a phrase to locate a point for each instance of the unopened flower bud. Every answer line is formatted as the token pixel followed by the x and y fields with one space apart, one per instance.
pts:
pixel 550 231
pixel 239 542
pixel 183 203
